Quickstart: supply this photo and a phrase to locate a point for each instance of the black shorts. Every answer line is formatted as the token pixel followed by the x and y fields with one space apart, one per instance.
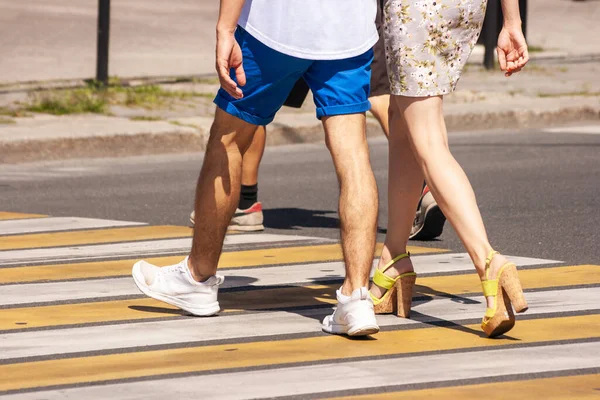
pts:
pixel 380 84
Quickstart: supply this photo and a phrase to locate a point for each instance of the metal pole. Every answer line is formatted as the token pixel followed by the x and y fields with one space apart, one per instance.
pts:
pixel 523 9
pixel 490 40
pixel 103 37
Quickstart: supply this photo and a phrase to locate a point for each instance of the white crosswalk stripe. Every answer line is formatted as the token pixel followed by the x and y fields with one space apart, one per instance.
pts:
pixel 138 249
pixel 58 224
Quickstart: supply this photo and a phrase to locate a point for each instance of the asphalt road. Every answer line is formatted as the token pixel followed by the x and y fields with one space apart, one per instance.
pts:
pixel 538 191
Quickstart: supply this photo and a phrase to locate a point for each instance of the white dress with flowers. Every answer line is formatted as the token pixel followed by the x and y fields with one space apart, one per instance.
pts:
pixel 428 42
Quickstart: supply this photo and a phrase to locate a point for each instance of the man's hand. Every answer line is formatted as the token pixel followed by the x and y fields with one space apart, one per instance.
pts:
pixel 512 50
pixel 229 55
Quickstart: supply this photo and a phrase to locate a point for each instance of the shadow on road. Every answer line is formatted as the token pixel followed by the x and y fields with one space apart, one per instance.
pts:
pixel 297 218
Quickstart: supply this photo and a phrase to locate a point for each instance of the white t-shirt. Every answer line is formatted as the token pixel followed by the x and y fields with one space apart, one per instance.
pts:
pixel 312 29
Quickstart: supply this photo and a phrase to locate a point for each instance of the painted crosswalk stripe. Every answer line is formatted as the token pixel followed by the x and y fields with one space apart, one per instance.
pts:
pixel 78 238
pixel 588 129
pixel 229 327
pixel 315 349
pixel 294 274
pixel 241 258
pixel 369 375
pixel 270 299
pixel 557 388
pixel 4 215
pixel 138 249
pixel 53 224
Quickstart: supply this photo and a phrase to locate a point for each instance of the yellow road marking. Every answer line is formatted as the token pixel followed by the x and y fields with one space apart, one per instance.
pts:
pixel 93 236
pixel 530 279
pixel 11 215
pixel 314 295
pixel 248 258
pixel 209 358
pixel 559 388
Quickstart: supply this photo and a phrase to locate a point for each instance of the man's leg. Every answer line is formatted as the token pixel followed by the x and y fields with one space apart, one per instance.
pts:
pixel 192 284
pixel 250 165
pixel 218 191
pixel 253 156
pixel 249 216
pixel 346 140
pixel 340 91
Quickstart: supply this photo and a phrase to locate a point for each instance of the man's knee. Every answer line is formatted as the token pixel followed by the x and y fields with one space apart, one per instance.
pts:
pixel 230 132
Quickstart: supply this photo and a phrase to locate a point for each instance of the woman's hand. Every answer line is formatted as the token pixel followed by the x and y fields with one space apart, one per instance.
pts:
pixel 512 49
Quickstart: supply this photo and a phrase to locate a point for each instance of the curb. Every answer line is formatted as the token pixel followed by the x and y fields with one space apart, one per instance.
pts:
pixel 279 133
pixel 476 59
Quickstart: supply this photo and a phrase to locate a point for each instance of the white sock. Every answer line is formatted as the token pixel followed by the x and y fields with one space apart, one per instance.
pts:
pixel 342 298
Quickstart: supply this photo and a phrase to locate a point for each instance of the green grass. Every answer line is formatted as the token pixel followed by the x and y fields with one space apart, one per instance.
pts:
pixel 581 93
pixel 9 112
pixel 97 99
pixel 6 121
pixel 72 101
pixel 177 123
pixel 145 118
pixel 535 49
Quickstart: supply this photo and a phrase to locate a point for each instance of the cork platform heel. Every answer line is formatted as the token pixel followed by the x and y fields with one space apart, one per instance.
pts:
pixel 508 294
pixel 398 297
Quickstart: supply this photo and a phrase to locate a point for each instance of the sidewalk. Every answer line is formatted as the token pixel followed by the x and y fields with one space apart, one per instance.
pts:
pixel 42 40
pixel 177 117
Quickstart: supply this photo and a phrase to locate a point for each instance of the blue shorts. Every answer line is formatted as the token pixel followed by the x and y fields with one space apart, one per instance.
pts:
pixel 338 86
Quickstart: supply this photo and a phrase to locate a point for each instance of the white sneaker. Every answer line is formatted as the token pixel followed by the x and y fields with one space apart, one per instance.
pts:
pixel 174 285
pixel 354 315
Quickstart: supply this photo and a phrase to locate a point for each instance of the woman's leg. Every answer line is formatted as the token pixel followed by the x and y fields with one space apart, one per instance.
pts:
pixel 405 183
pixel 427 135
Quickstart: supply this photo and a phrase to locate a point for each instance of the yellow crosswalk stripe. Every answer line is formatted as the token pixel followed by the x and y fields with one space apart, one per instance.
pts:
pixel 530 279
pixel 11 215
pixel 210 358
pixel 247 258
pixel 93 236
pixel 559 388
pixel 264 299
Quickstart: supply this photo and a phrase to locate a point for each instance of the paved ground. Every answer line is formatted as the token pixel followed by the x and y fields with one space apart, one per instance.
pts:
pixel 41 40
pixel 72 324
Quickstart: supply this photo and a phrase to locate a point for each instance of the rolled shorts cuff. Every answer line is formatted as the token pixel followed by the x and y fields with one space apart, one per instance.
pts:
pixel 226 105
pixel 329 111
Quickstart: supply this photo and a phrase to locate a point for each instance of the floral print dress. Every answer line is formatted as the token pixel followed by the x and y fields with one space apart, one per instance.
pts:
pixel 428 42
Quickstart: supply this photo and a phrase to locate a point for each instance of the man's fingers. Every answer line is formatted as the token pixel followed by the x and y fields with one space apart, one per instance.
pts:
pixel 240 75
pixel 227 83
pixel 524 57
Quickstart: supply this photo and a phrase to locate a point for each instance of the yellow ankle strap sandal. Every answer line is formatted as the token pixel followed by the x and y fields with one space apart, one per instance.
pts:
pixel 398 296
pixel 507 292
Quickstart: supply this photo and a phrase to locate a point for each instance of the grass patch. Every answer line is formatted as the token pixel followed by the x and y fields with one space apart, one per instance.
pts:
pixel 177 123
pixel 581 93
pixel 97 99
pixel 145 118
pixel 10 112
pixel 535 49
pixel 72 101
pixel 7 121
